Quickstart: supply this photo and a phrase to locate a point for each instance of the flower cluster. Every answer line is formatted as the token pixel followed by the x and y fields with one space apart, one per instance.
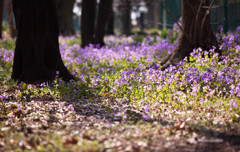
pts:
pixel 119 71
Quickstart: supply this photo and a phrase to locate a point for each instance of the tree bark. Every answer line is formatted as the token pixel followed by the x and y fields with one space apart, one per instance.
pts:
pixel 11 24
pixel 88 33
pixel 203 37
pixel 126 17
pixel 87 21
pixel 1 16
pixel 153 14
pixel 110 25
pixel 65 16
pixel 104 11
pixel 37 56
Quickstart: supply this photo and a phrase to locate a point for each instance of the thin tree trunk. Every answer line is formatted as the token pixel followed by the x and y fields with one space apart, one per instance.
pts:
pixel 65 16
pixel 126 17
pixel 104 11
pixel 110 25
pixel 153 14
pixel 37 56
pixel 156 14
pixel 11 24
pixel 87 21
pixel 191 23
pixel 1 16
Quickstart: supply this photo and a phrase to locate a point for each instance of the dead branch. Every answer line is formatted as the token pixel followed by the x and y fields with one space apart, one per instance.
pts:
pixel 206 14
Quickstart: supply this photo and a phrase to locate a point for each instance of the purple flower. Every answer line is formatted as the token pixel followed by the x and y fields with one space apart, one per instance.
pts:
pixel 146 109
pixel 124 100
pixel 220 28
pixel 122 114
pixel 195 89
pixel 71 107
pixel 145 117
pixel 108 124
pixel 19 87
pixel 234 104
pixel 19 106
pixel 3 98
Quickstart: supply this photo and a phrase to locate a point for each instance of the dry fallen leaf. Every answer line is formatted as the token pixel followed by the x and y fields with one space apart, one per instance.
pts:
pixel 70 141
pixel 18 113
pixel 86 136
pixel 2 144
pixel 180 125
pixel 24 145
pixel 12 142
pixel 12 107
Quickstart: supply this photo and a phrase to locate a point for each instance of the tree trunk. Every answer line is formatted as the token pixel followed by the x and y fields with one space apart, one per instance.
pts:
pixel 198 31
pixel 126 17
pixel 110 25
pixel 37 56
pixel 1 16
pixel 11 24
pixel 153 14
pixel 156 14
pixel 65 16
pixel 104 11
pixel 87 21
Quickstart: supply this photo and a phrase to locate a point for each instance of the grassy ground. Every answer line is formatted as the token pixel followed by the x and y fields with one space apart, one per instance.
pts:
pixel 118 104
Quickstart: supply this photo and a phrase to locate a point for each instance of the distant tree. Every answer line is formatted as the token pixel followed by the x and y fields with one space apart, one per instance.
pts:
pixel 87 21
pixel 11 24
pixel 104 14
pixel 126 10
pixel 196 31
pixel 88 33
pixel 153 14
pixel 1 16
pixel 65 16
pixel 37 56
pixel 110 25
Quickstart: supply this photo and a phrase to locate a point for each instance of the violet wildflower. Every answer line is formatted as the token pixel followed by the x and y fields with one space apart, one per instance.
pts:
pixel 145 117
pixel 122 114
pixel 124 100
pixel 146 109
pixel 71 107
pixel 195 89
pixel 3 98
pixel 108 124
pixel 220 28
pixel 19 106
pixel 234 104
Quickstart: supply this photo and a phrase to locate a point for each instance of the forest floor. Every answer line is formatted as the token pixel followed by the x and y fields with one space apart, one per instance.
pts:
pixel 44 124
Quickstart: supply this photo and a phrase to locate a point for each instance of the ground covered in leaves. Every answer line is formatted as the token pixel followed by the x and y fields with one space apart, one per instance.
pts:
pixel 119 104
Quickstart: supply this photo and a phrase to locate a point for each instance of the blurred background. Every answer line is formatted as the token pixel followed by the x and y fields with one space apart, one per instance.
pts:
pixel 131 16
